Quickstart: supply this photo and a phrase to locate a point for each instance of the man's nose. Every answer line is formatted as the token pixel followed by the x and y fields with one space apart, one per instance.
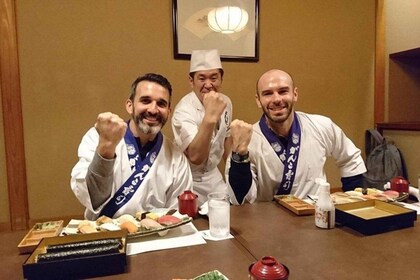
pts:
pixel 153 108
pixel 277 97
pixel 208 84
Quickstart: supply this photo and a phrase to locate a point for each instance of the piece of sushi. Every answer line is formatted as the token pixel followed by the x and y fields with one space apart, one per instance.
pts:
pixel 126 218
pixel 152 216
pixel 141 215
pixel 83 244
pixel 78 253
pixel 86 226
pixel 129 226
pixel 168 220
pixel 103 220
pixel 150 224
pixel 391 194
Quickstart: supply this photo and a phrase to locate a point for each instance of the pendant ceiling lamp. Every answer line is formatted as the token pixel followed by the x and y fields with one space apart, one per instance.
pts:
pixel 227 19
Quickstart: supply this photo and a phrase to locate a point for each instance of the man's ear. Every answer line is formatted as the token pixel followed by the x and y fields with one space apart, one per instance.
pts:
pixel 129 106
pixel 257 99
pixel 295 94
pixel 191 80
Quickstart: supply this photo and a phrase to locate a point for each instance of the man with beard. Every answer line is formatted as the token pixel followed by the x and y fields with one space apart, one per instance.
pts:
pixel 201 122
pixel 285 151
pixel 126 167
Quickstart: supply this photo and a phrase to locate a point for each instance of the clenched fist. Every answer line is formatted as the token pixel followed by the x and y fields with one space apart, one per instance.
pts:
pixel 241 133
pixel 111 129
pixel 214 105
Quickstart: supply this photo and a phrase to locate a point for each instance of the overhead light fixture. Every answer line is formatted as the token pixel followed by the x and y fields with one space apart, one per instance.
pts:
pixel 227 19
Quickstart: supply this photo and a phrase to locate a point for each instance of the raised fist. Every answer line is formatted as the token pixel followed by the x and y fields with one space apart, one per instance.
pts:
pixel 241 133
pixel 111 129
pixel 214 105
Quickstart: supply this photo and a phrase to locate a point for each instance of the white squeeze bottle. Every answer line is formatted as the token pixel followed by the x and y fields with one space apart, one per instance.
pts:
pixel 324 207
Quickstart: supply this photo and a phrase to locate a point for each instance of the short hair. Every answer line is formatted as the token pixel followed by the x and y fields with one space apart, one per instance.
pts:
pixel 220 71
pixel 154 78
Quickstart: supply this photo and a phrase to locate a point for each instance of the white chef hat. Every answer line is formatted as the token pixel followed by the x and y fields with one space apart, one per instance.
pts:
pixel 205 60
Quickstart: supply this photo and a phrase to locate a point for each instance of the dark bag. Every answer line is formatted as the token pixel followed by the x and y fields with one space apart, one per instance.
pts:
pixel 384 160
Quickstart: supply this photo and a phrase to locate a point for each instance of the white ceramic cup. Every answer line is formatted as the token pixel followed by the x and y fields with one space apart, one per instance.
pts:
pixel 219 214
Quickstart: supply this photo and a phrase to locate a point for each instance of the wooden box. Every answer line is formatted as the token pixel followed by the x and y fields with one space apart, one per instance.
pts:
pixel 294 204
pixel 374 216
pixel 79 267
pixel 37 233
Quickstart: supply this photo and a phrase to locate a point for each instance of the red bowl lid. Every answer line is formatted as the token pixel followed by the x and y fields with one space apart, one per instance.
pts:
pixel 269 269
pixel 187 195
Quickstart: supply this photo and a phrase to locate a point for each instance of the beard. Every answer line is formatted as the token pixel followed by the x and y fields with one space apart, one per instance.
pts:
pixel 146 128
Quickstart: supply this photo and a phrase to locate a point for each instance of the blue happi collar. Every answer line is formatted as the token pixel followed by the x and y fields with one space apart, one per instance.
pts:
pixel 139 167
pixel 288 155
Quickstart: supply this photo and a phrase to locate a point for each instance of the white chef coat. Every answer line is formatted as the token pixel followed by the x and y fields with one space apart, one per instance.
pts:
pixel 168 177
pixel 186 119
pixel 320 138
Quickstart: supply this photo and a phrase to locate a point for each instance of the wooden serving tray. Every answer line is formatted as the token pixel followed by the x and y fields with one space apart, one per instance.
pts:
pixel 72 226
pixel 37 233
pixel 294 204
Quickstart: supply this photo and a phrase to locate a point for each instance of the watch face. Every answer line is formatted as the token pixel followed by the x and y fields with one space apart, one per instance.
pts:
pixel 239 158
pixel 236 157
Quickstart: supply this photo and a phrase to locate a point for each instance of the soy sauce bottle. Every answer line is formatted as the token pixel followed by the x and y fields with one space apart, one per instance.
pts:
pixel 324 207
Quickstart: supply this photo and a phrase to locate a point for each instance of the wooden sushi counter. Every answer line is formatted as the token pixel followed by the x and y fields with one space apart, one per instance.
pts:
pixel 313 253
pixel 267 229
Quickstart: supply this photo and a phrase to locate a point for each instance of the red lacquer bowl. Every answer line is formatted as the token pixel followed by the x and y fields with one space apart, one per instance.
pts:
pixel 268 269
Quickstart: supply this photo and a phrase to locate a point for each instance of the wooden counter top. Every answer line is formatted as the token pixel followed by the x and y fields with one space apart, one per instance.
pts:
pixel 227 256
pixel 264 229
pixel 313 253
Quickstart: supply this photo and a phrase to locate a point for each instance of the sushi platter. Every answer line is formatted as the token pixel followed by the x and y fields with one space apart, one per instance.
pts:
pixel 158 221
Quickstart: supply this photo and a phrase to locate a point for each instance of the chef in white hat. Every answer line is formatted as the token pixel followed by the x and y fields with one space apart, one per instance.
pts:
pixel 201 123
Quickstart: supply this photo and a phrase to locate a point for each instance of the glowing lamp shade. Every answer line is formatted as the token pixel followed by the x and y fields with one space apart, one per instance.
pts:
pixel 228 19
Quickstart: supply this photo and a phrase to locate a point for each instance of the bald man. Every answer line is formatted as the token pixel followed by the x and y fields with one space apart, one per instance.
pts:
pixel 285 151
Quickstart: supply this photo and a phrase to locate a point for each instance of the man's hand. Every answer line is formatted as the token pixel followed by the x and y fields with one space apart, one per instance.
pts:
pixel 111 129
pixel 214 105
pixel 198 150
pixel 241 133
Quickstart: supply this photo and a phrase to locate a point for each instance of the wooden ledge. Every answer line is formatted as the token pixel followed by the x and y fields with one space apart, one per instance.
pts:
pixel 409 126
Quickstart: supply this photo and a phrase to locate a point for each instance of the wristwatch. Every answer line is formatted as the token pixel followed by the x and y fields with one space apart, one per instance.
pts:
pixel 238 158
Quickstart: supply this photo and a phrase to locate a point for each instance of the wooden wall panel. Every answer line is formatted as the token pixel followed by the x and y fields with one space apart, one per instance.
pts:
pixel 12 118
pixel 379 98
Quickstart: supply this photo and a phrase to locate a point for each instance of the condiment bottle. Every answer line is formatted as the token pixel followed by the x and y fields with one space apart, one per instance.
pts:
pixel 324 207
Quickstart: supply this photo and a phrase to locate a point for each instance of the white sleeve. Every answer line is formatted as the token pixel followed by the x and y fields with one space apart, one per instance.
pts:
pixel 347 156
pixel 184 127
pixel 182 179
